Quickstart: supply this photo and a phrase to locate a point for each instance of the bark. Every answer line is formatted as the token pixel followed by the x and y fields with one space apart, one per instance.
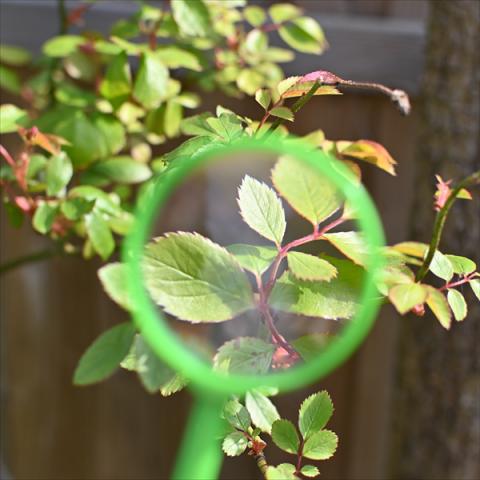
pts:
pixel 437 400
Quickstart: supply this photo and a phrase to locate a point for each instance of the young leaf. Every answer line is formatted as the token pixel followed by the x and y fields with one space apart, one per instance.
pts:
pixel 103 357
pixel 195 279
pixel 298 86
pixel 192 18
pixel 310 267
pixel 405 296
pixel 99 234
pixel 314 414
pixel 117 83
pixel 439 306
pixel 44 217
pixel 263 97
pixel 321 445
pixel 234 444
pixel 59 172
pixel 114 281
pixel 304 34
pixel 285 436
pixel 282 112
pixel 244 355
pixel 309 194
pixel 461 265
pixel 152 80
pixel 254 258
pixel 475 284
pixel 262 411
pixel 441 266
pixel 261 209
pixel 351 244
pixel 284 471
pixel 237 415
pixel 310 471
pixel 458 304
pixel 330 300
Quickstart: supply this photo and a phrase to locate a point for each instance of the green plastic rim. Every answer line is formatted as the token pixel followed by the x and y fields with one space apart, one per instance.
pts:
pixel 165 342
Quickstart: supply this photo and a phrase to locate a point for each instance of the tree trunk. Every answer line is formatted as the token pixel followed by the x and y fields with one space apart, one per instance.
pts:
pixel 437 410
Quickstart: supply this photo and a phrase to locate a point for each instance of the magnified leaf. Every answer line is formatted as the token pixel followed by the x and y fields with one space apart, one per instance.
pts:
pixel 351 244
pixel 309 267
pixel 114 280
pixel 254 258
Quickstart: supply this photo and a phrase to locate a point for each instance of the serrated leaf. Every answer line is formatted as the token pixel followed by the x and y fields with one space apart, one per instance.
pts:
pixel 475 285
pixel 227 126
pixel 261 209
pixel 59 173
pixel 254 258
pixel 237 415
pixel 103 357
pixel 351 244
pixel 44 217
pixel 282 112
pixel 263 97
pixel 174 385
pixel 234 444
pixel 192 18
pixel 244 355
pixel 191 146
pixel 151 82
pixel 99 234
pixel 195 279
pixel 330 300
pixel 406 296
pixel 458 304
pixel 304 34
pixel 309 267
pixel 114 281
pixel 368 151
pixel 309 194
pixel 310 346
pixel 11 117
pixel 262 411
pixel 439 306
pixel 321 445
pixel 284 471
pixel 441 266
pixel 310 471
pixel 415 249
pixel 314 414
pixel 461 265
pixel 285 436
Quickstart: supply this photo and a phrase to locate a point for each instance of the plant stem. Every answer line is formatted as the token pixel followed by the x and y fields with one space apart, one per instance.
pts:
pixel 262 463
pixel 462 281
pixel 31 258
pixel 62 17
pixel 440 223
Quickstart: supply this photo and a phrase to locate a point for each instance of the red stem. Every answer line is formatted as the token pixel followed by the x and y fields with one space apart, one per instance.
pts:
pixel 458 282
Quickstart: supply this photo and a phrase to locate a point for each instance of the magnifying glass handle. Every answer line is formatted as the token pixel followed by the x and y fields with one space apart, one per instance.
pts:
pixel 200 456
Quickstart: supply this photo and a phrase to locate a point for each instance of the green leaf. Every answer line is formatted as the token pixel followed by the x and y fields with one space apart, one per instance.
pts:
pixel 254 258
pixel 190 147
pixel 114 281
pixel 249 80
pixel 103 201
pixel 244 355
pixel 458 304
pixel 122 169
pixel 314 414
pixel 321 445
pixel 405 296
pixel 261 209
pixel 59 173
pixel 176 57
pixel 282 112
pixel 9 80
pixel 310 346
pixel 461 265
pixel 284 471
pixel 263 97
pixel 441 266
pixel 192 18
pixel 414 249
pixel 44 217
pixel 117 83
pixel 475 284
pixel 262 411
pixel 195 279
pixel 11 117
pixel 254 15
pixel 282 12
pixel 256 42
pixel 113 132
pixel 174 385
pixel 234 444
pixel 99 234
pixel 69 94
pixel 62 45
pixel 309 267
pixel 151 82
pixel 237 415
pixel 14 214
pixel 285 436
pixel 310 471
pixel 226 126
pixel 351 244
pixel 304 34
pixel 16 56
pixel 75 208
pixel 309 194
pixel 439 306
pixel 103 357
pixel 330 300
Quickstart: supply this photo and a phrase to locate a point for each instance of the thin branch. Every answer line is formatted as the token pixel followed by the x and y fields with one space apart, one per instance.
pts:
pixel 31 258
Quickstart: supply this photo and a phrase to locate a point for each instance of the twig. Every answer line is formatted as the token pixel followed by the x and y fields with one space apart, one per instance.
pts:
pixel 31 258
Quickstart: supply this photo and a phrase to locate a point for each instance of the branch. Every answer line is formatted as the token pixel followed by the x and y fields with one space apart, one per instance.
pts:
pixel 31 258
pixel 440 223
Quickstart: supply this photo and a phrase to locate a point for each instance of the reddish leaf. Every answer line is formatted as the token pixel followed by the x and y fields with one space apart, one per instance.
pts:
pixel 444 191
pixel 23 204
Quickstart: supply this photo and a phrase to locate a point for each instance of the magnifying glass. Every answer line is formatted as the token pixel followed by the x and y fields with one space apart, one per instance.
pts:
pixel 271 294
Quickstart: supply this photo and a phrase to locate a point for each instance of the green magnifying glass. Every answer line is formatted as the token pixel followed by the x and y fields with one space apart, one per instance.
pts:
pixel 200 454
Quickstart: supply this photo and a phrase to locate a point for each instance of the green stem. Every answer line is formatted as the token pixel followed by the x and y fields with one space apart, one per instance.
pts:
pixel 62 17
pixel 31 258
pixel 440 223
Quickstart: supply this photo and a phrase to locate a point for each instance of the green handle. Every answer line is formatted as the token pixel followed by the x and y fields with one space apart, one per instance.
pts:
pixel 200 456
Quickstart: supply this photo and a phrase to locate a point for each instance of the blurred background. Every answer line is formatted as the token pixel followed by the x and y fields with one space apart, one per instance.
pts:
pixel 407 404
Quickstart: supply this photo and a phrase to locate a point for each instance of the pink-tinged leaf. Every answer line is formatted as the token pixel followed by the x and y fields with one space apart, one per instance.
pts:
pixel 368 151
pixel 322 76
pixel 442 193
pixel 413 249
pixel 293 87
pixel 50 143
pixel 23 204
pixel 8 158
pixel 300 89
